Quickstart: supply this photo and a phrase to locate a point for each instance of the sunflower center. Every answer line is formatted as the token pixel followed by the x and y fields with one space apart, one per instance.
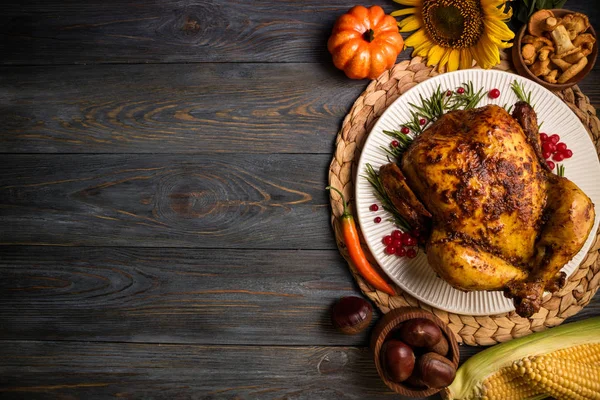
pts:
pixel 453 23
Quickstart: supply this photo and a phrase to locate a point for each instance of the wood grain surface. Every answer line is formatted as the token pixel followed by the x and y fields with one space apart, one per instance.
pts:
pixel 213 201
pixel 164 229
pixel 109 31
pixel 224 108
pixel 168 31
pixel 168 372
pixel 138 295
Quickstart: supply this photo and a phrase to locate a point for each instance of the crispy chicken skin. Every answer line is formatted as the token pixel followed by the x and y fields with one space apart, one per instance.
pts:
pixel 501 220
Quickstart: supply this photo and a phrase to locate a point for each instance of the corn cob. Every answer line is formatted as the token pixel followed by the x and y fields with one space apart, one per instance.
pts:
pixel 507 385
pixel 486 376
pixel 560 378
pixel 586 353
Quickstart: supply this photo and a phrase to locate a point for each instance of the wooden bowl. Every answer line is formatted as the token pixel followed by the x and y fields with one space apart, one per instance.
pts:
pixel 392 320
pixel 523 69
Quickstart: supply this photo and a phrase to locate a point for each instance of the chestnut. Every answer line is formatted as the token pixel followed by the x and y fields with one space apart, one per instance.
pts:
pixel 398 360
pixel 415 382
pixel 434 370
pixel 351 315
pixel 420 332
pixel 440 347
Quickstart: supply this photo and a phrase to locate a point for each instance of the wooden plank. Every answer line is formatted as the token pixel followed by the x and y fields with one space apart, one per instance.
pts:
pixel 229 201
pixel 96 31
pixel 58 32
pixel 50 370
pixel 225 108
pixel 173 295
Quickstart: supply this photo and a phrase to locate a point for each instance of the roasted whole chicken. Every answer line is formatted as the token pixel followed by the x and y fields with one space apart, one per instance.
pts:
pixel 493 216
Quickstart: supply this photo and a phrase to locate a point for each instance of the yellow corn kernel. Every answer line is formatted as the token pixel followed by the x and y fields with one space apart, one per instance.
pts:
pixel 560 378
pixel 585 353
pixel 507 385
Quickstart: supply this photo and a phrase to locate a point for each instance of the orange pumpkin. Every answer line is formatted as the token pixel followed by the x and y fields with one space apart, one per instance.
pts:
pixel 365 42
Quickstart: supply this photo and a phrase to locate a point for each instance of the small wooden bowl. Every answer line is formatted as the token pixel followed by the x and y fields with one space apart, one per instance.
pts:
pixel 523 69
pixel 392 320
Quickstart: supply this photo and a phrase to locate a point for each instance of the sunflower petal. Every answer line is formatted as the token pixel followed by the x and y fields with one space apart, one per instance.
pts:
pixel 445 58
pixel 417 38
pixel 453 60
pixel 404 11
pixel 492 3
pixel 466 59
pixel 409 24
pixel 417 3
pixel 422 49
pixel 486 53
pixel 497 29
pixel 436 53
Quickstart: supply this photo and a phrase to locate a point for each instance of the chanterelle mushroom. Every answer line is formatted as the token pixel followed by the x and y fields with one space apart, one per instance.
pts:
pixel 575 24
pixel 574 70
pixel 562 40
pixel 544 52
pixel 586 42
pixel 528 52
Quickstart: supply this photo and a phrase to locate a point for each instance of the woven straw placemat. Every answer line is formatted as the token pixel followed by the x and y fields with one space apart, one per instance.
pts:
pixel 471 330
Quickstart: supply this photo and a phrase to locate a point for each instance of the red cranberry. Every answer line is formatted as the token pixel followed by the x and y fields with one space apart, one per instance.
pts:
pixel 395 143
pixel 568 153
pixel 397 234
pixel 400 251
pixel 377 220
pixel 449 93
pixel 409 241
pixel 396 243
pixel 405 130
pixel 374 207
pixel 543 137
pixel 558 157
pixel 550 164
pixel 387 240
pixel 422 121
pixel 548 147
pixel 546 154
pixel 561 146
pixel 390 250
pixel 460 90
pixel 494 94
pixel 554 138
pixel 411 253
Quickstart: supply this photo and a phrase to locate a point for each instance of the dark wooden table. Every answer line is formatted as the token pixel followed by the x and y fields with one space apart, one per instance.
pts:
pixel 164 225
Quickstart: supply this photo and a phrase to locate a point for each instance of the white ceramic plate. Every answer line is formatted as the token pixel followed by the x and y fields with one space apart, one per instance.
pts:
pixel 414 275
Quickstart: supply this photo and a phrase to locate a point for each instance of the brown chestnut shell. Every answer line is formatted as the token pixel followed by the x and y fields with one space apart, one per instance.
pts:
pixel 351 314
pixel 420 332
pixel 434 370
pixel 440 347
pixel 398 360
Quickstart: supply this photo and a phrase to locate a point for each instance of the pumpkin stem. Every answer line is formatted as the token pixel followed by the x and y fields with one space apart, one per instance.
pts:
pixel 369 35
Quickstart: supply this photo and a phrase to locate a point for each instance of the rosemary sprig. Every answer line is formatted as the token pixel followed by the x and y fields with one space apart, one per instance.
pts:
pixel 560 170
pixel 433 107
pixel 466 101
pixel 519 90
pixel 375 181
pixel 403 142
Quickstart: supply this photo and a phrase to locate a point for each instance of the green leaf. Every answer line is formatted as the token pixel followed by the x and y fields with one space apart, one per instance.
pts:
pixel 559 3
pixel 544 4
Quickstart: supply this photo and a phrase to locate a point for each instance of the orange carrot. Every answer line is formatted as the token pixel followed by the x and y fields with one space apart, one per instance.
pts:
pixel 357 255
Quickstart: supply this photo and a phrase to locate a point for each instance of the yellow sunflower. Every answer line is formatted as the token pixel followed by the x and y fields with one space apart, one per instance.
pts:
pixel 452 33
